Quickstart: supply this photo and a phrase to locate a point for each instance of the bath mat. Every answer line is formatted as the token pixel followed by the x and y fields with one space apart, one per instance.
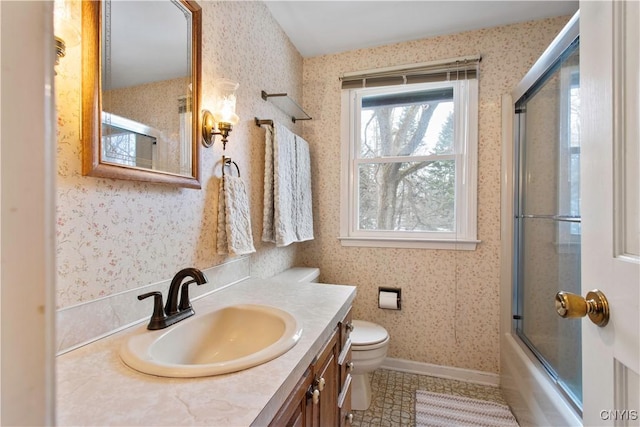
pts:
pixel 444 410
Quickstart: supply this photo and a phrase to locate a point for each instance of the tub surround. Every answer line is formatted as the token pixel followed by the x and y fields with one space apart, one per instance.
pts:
pixel 94 387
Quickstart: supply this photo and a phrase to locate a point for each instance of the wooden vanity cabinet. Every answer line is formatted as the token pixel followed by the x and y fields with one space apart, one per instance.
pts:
pixel 322 397
pixel 345 366
pixel 295 412
pixel 326 377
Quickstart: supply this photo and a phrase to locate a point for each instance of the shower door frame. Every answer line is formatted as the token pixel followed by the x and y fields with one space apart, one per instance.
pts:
pixel 561 215
pixel 526 383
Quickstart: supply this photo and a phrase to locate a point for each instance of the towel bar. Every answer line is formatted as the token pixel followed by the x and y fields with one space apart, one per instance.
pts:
pixel 263 122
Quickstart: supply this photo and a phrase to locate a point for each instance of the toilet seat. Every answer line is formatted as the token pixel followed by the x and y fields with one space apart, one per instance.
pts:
pixel 368 336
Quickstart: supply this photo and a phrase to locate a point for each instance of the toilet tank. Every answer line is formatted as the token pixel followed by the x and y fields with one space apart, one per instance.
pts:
pixel 299 274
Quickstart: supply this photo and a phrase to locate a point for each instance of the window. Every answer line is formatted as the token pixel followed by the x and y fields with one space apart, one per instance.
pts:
pixel 127 142
pixel 409 165
pixel 569 230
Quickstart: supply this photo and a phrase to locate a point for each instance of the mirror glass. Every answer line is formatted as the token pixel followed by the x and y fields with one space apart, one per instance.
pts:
pixel 141 70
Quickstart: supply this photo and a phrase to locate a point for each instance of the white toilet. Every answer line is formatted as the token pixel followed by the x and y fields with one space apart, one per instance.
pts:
pixel 369 343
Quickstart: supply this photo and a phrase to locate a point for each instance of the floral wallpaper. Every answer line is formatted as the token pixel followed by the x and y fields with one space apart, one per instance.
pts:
pixel 115 235
pixel 450 307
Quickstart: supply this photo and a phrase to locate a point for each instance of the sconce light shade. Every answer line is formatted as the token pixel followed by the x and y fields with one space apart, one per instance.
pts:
pixel 224 115
pixel 225 95
pixel 65 25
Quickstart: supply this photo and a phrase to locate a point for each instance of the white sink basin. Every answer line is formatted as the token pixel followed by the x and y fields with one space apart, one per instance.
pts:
pixel 225 340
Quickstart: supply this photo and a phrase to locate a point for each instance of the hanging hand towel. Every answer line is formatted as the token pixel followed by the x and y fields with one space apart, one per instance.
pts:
pixel 221 235
pixel 268 206
pixel 304 208
pixel 236 218
pixel 282 231
pixel 287 215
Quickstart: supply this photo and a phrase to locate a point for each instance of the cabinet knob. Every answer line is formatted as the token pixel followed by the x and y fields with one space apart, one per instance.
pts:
pixel 349 327
pixel 349 418
pixel 321 383
pixel 350 366
pixel 315 396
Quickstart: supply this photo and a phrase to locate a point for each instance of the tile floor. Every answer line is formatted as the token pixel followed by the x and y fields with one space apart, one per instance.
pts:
pixel 394 395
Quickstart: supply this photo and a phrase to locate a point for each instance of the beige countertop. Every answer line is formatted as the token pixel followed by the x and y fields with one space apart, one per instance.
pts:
pixel 94 387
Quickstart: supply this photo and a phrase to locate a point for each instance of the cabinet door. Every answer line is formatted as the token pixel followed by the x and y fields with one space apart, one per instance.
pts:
pixel 344 398
pixel 345 367
pixel 346 326
pixel 326 381
pixel 344 403
pixel 294 411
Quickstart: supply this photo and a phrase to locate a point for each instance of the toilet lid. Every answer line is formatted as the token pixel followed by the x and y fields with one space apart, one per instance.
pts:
pixel 367 333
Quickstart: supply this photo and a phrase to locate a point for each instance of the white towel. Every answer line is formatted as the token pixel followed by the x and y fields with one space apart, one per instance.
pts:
pixel 284 191
pixel 287 215
pixel 303 204
pixel 234 219
pixel 268 206
pixel 221 236
pixel 278 226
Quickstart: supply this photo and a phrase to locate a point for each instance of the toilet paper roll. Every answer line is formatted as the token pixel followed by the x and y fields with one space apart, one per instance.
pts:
pixel 388 300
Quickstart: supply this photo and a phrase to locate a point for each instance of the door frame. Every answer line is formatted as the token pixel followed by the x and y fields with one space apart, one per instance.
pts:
pixel 27 185
pixel 610 128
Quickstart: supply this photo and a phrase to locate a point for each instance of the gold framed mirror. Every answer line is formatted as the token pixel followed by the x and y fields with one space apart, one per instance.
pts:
pixel 141 68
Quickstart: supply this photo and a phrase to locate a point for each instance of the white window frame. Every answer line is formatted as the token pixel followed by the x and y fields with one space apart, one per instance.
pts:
pixel 465 97
pixel 567 241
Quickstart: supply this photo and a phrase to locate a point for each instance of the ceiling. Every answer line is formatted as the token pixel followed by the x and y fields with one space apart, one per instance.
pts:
pixel 327 27
pixel 147 42
pixel 314 27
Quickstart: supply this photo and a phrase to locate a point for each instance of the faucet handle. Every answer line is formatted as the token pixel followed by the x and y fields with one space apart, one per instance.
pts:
pixel 157 320
pixel 185 303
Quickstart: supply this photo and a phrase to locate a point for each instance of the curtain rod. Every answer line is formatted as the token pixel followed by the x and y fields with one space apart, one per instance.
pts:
pixel 409 67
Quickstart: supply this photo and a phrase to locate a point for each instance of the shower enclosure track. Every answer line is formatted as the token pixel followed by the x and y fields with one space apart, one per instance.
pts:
pixel 560 218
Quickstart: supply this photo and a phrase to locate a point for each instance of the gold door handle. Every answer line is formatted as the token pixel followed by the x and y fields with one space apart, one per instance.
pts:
pixel 595 305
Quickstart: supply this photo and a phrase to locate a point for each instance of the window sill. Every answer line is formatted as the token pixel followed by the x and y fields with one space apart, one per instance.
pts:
pixel 376 242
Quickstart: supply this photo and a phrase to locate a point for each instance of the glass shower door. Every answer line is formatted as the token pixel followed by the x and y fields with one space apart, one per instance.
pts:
pixel 548 220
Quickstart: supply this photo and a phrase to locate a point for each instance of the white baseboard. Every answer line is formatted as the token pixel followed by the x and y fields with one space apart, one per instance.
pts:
pixel 449 372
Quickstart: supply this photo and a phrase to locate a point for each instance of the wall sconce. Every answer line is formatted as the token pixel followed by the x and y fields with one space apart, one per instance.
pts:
pixel 65 27
pixel 224 114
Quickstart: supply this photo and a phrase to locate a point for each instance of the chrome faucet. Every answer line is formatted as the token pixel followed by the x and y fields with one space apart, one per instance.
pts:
pixel 174 312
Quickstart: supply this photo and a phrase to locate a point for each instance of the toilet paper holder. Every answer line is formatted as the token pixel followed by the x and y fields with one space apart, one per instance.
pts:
pixel 396 291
